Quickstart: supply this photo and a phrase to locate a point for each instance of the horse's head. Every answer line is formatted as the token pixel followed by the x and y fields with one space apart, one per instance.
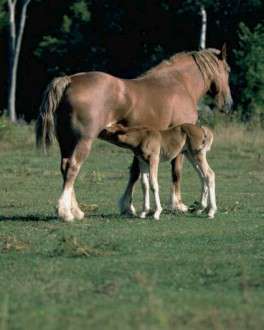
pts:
pixel 219 88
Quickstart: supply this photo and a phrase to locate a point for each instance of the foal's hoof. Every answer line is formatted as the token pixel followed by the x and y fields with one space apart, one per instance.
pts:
pixel 129 211
pixel 156 215
pixel 143 214
pixel 182 208
pixel 211 214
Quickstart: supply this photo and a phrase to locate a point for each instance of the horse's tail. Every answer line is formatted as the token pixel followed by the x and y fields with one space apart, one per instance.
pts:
pixel 45 125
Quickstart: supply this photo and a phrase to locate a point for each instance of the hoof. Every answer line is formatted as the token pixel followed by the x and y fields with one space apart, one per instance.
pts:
pixel 211 214
pixel 78 214
pixel 144 214
pixel 182 208
pixel 130 211
pixel 65 215
pixel 157 214
pixel 67 218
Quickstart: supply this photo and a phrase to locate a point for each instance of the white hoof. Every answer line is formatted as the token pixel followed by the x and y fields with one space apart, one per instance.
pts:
pixel 157 214
pixel 144 214
pixel 180 207
pixel 78 214
pixel 65 215
pixel 211 214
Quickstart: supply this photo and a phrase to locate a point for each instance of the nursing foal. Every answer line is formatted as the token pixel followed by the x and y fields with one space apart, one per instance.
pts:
pixel 150 146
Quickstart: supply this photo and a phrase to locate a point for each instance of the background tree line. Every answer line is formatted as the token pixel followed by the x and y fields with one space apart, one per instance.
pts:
pixel 125 38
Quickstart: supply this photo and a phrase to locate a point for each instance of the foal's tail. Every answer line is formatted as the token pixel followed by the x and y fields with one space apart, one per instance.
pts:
pixel 45 125
pixel 208 138
pixel 200 138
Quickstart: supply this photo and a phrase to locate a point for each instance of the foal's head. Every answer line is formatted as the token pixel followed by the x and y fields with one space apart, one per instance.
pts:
pixel 215 70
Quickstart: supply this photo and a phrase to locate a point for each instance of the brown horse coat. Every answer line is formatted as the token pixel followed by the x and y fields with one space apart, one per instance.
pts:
pixel 150 146
pixel 77 108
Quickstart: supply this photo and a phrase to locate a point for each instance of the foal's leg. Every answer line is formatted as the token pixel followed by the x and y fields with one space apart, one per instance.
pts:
pixel 176 170
pixel 204 191
pixel 153 175
pixel 208 176
pixel 68 208
pixel 125 202
pixel 144 170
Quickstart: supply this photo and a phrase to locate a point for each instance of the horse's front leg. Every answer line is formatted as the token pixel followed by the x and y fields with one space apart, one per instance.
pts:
pixel 176 171
pixel 126 201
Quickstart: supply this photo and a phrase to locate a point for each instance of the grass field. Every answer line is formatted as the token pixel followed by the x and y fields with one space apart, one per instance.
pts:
pixel 108 272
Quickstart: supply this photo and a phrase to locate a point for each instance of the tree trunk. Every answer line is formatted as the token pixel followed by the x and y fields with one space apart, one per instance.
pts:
pixel 202 44
pixel 14 52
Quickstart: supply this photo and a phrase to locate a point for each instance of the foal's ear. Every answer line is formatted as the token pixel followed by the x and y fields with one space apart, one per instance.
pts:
pixel 223 52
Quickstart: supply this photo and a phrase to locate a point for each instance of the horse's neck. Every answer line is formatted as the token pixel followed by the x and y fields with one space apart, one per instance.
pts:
pixel 193 80
pixel 187 71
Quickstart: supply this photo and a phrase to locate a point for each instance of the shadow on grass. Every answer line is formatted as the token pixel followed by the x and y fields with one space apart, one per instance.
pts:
pixel 29 217
pixel 101 216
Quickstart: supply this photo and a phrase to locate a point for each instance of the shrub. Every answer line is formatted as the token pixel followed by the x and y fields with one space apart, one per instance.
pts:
pixel 250 62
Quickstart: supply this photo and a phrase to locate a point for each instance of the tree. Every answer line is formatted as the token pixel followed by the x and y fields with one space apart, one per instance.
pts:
pixel 69 45
pixel 250 69
pixel 15 41
pixel 203 27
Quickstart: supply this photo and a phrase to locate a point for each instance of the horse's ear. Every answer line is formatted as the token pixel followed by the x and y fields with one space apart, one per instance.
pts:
pixel 223 53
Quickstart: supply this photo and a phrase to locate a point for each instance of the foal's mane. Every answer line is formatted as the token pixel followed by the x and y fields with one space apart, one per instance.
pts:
pixel 206 60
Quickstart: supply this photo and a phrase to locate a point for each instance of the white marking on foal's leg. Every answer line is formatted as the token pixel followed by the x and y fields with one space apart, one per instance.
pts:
pixel 154 163
pixel 212 199
pixel 208 180
pixel 176 168
pixel 145 188
pixel 204 192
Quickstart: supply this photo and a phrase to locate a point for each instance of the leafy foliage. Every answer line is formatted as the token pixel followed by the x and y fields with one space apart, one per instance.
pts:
pixel 125 38
pixel 250 62
pixel 67 42
pixel 3 14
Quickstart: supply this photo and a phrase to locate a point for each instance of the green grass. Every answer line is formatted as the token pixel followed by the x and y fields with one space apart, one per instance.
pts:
pixel 108 272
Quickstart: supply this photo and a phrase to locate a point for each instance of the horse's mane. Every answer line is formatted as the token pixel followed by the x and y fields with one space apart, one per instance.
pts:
pixel 206 60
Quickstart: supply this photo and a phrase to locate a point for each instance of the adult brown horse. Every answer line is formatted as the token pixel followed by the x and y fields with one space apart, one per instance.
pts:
pixel 77 108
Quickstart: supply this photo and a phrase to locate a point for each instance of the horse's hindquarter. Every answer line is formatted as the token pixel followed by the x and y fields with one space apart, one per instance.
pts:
pixel 96 100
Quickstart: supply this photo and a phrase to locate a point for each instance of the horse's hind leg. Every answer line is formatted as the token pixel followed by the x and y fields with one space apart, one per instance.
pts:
pixel 126 201
pixel 176 171
pixel 68 208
